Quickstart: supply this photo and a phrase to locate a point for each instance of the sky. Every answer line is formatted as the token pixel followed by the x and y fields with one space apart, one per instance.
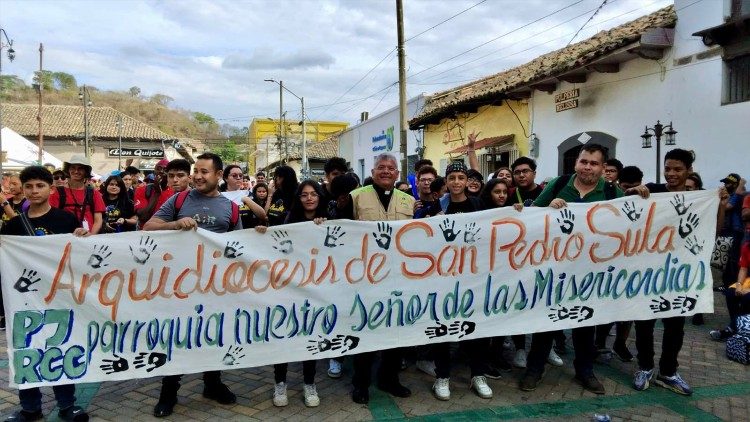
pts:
pixel 340 55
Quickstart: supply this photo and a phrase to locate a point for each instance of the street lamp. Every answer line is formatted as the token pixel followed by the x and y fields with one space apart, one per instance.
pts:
pixel 11 56
pixel 658 131
pixel 282 88
pixel 85 96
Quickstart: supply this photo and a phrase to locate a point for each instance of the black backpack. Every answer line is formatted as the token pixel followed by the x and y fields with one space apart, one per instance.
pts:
pixel 610 190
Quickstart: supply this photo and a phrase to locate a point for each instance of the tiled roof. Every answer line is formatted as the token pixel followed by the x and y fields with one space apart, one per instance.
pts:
pixel 66 121
pixel 322 150
pixel 543 67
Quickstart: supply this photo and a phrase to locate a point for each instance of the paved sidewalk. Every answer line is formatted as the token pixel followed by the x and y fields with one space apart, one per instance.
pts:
pixel 721 392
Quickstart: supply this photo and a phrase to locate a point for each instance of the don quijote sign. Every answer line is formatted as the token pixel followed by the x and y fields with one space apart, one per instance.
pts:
pixel 567 100
pixel 136 152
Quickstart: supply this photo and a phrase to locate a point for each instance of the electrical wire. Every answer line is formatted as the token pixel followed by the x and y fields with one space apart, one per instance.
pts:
pixel 586 23
pixel 444 21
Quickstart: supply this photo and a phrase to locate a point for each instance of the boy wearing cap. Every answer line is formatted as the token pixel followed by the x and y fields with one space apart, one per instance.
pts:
pixel 85 202
pixel 149 198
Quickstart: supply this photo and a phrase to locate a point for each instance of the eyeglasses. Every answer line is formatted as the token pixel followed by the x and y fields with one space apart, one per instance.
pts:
pixel 308 195
pixel 522 171
pixel 473 180
pixel 59 177
pixel 426 180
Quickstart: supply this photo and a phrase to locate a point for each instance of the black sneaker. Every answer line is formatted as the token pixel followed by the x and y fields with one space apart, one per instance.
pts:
pixel 622 352
pixel 529 381
pixel 73 414
pixel 220 393
pixel 24 416
pixel 2 323
pixel 590 383
pixel 492 373
pixel 698 319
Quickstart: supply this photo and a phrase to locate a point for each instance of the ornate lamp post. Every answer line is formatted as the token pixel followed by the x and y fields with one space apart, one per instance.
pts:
pixel 85 96
pixel 658 131
pixel 11 56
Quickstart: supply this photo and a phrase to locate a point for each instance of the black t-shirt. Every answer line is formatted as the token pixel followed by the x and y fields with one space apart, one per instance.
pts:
pixel 469 205
pixel 55 221
pixel 527 197
pixel 115 210
pixel 657 187
pixel 278 210
pixel 17 208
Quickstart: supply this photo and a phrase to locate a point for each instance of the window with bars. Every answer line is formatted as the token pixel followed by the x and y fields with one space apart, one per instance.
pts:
pixel 737 86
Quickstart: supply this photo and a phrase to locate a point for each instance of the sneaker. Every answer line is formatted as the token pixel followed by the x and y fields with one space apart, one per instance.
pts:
pixel 334 368
pixel 311 395
pixel 73 414
pixel 590 383
pixel 442 389
pixel 279 395
pixel 2 323
pixel 554 359
pixel 220 393
pixel 622 353
pixel 427 366
pixel 519 361
pixel 721 335
pixel 642 378
pixel 674 383
pixel 529 381
pixel 492 373
pixel 23 416
pixel 479 385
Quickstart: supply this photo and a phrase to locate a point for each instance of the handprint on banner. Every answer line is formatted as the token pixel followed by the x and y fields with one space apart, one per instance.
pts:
pixel 340 342
pixel 678 202
pixel 691 244
pixel 110 366
pixel 447 226
pixel 660 305
pixel 567 222
pixel 233 356
pixel 462 328
pixel 333 234
pixel 27 279
pixel 687 225
pixel 629 209
pixel 684 303
pixel 559 314
pixel 143 251
pixel 575 313
pixel 98 255
pixel 233 250
pixel 283 243
pixel 470 233
pixel 384 235
pixel 151 360
pixel 439 331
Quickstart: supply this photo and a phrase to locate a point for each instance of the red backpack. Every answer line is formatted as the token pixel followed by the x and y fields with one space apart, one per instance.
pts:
pixel 180 201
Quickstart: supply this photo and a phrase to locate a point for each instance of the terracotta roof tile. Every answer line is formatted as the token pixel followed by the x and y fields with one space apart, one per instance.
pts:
pixel 545 66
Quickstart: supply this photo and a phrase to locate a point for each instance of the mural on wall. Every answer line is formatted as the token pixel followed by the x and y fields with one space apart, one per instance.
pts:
pixel 383 142
pixel 454 135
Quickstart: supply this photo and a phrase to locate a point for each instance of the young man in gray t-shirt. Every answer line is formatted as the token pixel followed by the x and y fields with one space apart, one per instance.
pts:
pixel 206 208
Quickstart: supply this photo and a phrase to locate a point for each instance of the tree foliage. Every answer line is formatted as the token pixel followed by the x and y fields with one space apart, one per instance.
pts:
pixel 161 99
pixel 229 152
pixel 134 92
pixel 59 81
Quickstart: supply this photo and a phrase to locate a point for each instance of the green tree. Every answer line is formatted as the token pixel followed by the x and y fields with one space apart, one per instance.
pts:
pixel 45 78
pixel 161 99
pixel 204 119
pixel 64 81
pixel 229 152
pixel 134 92
pixel 11 82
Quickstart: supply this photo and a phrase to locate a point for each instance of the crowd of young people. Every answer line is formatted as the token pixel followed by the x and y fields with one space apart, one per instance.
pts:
pixel 221 198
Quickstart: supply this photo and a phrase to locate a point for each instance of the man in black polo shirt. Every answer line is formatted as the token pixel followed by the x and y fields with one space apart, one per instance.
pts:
pixel 524 173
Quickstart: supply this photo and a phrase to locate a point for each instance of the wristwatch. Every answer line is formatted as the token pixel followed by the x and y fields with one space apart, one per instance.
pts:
pixel 4 203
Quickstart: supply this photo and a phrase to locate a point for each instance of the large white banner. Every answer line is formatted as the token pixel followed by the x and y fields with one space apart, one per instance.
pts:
pixel 144 304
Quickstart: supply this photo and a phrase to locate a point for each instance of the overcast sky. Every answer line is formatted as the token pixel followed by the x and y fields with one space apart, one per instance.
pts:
pixel 213 56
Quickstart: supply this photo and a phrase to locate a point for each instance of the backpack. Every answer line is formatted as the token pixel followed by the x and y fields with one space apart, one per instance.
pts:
pixel 610 190
pixel 180 201
pixel 738 348
pixel 88 200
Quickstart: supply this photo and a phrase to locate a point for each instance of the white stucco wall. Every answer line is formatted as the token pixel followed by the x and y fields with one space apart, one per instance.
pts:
pixel 642 92
pixel 356 143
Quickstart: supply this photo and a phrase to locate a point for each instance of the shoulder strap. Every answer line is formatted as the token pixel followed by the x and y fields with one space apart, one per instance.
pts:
pixel 27 224
pixel 179 201
pixel 61 197
pixel 610 191
pixel 149 190
pixel 560 184
pixel 235 216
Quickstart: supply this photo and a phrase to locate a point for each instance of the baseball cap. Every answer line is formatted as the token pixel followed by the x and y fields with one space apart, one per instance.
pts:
pixel 732 178
pixel 162 163
pixel 456 166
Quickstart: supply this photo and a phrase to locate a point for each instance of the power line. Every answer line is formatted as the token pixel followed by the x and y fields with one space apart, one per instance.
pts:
pixel 587 22
pixel 444 21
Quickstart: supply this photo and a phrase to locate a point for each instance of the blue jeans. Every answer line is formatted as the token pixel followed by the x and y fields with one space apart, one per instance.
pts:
pixel 31 399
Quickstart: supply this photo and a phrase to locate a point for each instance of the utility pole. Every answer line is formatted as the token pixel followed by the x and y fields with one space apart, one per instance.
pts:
pixel 119 142
pixel 402 86
pixel 305 169
pixel 281 121
pixel 39 111
pixel 11 56
pixel 85 96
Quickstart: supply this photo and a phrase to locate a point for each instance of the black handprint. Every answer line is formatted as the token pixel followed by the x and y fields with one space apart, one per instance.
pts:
pixel 629 209
pixel 678 202
pixel 99 254
pixel 233 250
pixel 324 344
pixel 690 223
pixel 470 233
pixel 566 225
pixel 233 356
pixel 283 245
pixel 155 360
pixel 448 232
pixel 581 313
pixel 143 251
pixel 462 328
pixel 685 303
pixel 660 305
pixel 439 331
pixel 350 343
pixel 26 280
pixel 384 235
pixel 332 235
pixel 693 246
pixel 111 366
pixel 559 314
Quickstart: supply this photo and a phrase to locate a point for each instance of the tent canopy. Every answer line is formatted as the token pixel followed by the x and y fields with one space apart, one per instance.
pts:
pixel 22 153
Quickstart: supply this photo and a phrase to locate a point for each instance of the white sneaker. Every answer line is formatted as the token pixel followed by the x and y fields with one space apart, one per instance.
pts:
pixel 554 359
pixel 427 366
pixel 479 385
pixel 334 368
pixel 311 395
pixel 520 360
pixel 442 389
pixel 279 395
